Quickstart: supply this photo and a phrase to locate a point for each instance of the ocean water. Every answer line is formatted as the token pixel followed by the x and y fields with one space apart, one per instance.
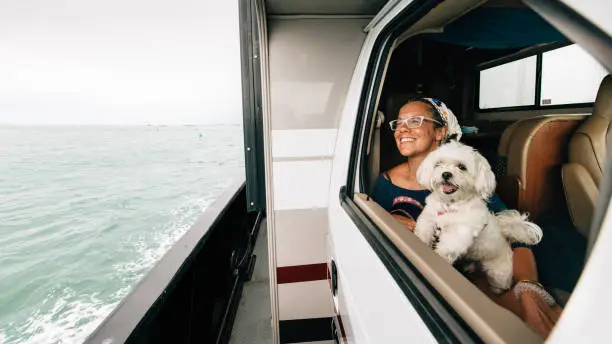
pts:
pixel 85 212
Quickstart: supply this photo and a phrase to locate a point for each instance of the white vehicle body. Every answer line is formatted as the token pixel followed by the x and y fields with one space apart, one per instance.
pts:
pixel 315 60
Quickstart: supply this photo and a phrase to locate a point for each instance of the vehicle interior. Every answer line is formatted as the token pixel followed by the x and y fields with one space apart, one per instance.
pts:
pixel 504 70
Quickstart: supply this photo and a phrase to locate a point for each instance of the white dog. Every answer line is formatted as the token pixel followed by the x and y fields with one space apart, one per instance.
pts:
pixel 456 222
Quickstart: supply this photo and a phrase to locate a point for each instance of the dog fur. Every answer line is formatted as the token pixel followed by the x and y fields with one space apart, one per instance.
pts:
pixel 456 222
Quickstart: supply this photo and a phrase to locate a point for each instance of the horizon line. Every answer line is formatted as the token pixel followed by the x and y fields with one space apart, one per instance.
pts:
pixel 113 124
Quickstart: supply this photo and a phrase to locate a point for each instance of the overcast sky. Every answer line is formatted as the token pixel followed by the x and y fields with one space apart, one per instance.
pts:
pixel 119 62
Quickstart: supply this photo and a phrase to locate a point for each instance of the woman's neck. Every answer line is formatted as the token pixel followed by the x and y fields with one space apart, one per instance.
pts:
pixel 405 174
pixel 413 162
pixel 412 165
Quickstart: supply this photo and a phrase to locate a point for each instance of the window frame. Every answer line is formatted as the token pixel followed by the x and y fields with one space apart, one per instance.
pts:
pixel 529 52
pixel 440 318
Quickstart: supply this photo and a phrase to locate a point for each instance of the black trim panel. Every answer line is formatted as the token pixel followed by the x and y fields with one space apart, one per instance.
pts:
pixel 538 50
pixel 250 57
pixel 532 107
pixel 305 330
pixel 538 81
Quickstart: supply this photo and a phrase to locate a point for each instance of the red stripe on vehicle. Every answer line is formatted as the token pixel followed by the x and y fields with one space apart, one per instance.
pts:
pixel 301 273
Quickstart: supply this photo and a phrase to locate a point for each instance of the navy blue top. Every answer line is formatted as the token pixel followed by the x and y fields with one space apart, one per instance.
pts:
pixel 410 203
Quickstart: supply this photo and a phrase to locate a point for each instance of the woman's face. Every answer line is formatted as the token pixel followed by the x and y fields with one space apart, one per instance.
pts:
pixel 421 140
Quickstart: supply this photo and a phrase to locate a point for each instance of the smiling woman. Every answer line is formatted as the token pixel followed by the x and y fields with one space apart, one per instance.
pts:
pixel 419 130
pixel 422 125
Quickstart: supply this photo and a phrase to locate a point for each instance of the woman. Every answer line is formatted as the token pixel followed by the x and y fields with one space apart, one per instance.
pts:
pixel 422 125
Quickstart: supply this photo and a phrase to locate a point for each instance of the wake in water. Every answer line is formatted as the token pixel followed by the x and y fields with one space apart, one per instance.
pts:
pixel 69 320
pixel 64 316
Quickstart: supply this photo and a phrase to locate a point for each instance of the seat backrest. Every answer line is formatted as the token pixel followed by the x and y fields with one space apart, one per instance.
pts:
pixel 587 153
pixel 588 144
pixel 534 151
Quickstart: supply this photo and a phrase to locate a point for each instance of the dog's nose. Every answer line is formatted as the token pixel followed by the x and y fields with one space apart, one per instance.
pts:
pixel 446 175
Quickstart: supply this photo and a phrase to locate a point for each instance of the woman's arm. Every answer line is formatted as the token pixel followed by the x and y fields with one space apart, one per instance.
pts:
pixel 529 306
pixel 405 221
pixel 524 265
pixel 534 311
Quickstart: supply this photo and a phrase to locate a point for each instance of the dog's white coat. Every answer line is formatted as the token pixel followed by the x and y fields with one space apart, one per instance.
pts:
pixel 459 225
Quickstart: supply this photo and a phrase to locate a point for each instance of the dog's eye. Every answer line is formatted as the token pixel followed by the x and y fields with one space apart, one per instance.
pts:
pixel 462 167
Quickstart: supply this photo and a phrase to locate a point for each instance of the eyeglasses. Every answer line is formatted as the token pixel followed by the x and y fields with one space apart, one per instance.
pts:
pixel 410 122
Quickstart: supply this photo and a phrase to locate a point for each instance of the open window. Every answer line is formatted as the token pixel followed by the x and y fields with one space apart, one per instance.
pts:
pixel 499 56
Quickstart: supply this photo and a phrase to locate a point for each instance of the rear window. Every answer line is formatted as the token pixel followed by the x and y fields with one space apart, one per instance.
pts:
pixel 569 76
pixel 510 84
pixel 563 76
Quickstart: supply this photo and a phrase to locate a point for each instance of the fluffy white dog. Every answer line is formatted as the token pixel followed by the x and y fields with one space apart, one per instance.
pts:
pixel 456 222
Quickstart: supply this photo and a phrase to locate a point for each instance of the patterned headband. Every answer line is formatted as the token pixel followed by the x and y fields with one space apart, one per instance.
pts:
pixel 452 124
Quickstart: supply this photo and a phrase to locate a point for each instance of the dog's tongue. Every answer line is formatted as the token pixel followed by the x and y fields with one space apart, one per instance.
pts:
pixel 448 188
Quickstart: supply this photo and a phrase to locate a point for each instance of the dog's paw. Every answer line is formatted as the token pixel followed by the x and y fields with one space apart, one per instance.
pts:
pixel 423 235
pixel 451 258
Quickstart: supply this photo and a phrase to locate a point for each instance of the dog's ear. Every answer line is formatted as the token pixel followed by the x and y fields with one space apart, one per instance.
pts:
pixel 485 179
pixel 425 171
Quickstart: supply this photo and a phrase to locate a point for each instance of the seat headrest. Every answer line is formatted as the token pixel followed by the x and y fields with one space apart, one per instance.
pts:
pixel 603 102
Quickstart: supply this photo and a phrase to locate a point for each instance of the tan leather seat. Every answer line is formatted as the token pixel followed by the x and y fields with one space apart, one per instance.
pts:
pixel 533 151
pixel 587 153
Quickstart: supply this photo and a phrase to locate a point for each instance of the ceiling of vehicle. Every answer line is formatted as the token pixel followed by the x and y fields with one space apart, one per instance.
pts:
pixel 324 7
pixel 499 28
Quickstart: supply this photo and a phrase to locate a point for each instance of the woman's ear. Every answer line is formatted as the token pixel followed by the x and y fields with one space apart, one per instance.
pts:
pixel 440 133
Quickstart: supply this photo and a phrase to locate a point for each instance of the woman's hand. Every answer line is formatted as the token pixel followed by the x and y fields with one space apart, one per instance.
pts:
pixel 533 310
pixel 537 314
pixel 530 306
pixel 405 221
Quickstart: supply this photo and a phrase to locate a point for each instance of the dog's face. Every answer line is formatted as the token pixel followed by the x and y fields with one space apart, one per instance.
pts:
pixel 456 172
